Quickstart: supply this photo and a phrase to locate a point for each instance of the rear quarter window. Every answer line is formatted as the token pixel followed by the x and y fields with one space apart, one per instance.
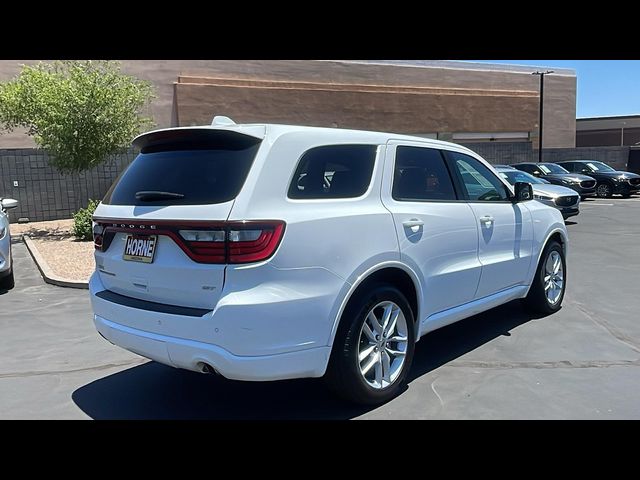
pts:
pixel 333 171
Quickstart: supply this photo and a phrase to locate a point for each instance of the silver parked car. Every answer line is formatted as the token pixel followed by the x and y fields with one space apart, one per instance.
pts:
pixel 6 264
pixel 564 199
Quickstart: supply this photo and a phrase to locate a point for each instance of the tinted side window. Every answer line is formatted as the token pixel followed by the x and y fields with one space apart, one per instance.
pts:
pixel 569 166
pixel 481 184
pixel 333 171
pixel 526 168
pixel 421 174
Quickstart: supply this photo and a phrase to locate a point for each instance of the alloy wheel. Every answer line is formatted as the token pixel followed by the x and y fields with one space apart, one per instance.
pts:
pixel 553 278
pixel 383 343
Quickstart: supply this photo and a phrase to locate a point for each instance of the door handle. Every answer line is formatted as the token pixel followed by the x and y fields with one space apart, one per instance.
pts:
pixel 487 219
pixel 414 224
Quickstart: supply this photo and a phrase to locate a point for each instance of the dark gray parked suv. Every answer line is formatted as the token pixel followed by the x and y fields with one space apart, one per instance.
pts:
pixel 610 181
pixel 553 173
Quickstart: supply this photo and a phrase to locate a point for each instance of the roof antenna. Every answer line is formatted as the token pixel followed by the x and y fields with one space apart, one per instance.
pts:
pixel 222 120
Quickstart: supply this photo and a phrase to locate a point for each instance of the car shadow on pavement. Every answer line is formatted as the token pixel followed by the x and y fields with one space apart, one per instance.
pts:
pixel 155 391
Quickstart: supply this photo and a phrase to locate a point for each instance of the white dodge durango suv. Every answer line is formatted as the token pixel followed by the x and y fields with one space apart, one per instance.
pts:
pixel 267 252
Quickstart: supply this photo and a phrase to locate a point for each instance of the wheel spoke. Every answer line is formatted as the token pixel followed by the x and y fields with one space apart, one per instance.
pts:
pixel 374 361
pixel 395 353
pixel 386 367
pixel 378 371
pixel 366 352
pixel 557 264
pixel 397 338
pixel 386 316
pixel 374 322
pixel 392 324
pixel 547 285
pixel 367 331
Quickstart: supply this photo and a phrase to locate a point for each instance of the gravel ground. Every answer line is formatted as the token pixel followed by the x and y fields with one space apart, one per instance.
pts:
pixel 66 256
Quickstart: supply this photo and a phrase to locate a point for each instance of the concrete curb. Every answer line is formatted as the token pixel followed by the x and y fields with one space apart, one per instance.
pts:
pixel 45 269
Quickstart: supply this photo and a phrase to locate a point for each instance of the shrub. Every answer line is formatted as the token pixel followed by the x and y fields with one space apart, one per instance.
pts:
pixel 82 227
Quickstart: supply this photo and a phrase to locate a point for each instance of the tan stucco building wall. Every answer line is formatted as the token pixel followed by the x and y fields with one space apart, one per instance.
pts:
pixel 414 98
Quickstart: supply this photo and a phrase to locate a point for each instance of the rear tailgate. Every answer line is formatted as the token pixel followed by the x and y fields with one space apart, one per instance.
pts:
pixel 159 228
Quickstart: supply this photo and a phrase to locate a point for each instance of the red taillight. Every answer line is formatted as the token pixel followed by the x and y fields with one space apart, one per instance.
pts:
pixel 97 236
pixel 253 243
pixel 203 242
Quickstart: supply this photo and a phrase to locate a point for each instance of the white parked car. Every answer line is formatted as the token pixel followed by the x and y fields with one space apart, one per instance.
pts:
pixel 267 252
pixel 565 199
pixel 6 260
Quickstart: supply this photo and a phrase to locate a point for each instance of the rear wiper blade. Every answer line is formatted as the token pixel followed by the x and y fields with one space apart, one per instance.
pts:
pixel 150 195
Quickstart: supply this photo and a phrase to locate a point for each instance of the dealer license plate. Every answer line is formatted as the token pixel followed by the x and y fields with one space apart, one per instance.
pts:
pixel 140 248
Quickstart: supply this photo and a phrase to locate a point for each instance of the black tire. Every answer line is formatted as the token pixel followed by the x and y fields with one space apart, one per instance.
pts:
pixel 7 282
pixel 626 195
pixel 604 190
pixel 536 300
pixel 583 198
pixel 343 373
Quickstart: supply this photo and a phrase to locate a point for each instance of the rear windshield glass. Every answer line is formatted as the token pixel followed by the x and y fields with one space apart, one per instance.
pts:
pixel 187 175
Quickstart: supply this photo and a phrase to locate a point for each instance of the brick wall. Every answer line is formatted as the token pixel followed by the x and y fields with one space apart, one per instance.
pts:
pixel 44 193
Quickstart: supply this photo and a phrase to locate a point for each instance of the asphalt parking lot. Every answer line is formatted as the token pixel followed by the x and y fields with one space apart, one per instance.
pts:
pixel 581 363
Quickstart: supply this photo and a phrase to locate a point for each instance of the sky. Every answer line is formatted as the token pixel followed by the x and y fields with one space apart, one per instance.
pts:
pixel 605 87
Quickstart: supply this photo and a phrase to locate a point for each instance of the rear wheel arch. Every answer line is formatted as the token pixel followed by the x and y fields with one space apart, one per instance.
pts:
pixel 395 274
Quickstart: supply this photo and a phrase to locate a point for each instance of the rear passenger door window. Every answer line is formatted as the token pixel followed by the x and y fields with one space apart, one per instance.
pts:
pixel 421 174
pixel 480 183
pixel 333 171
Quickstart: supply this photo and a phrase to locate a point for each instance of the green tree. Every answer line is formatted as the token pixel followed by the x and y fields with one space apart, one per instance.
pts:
pixel 78 111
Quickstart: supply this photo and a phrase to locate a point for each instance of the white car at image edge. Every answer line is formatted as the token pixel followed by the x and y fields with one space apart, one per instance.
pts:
pixel 6 260
pixel 267 252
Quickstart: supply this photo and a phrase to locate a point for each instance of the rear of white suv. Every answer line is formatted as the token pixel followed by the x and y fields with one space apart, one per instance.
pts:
pixel 266 252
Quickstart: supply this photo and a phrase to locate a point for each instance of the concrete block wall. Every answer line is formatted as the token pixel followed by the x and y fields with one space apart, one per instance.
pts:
pixel 44 193
pixel 507 153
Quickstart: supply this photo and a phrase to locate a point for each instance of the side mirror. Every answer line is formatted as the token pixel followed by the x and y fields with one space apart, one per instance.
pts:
pixel 586 171
pixel 523 192
pixel 8 203
pixel 536 173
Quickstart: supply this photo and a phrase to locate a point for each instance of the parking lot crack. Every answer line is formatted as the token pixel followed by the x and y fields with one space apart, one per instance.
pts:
pixel 545 365
pixel 621 337
pixel 75 370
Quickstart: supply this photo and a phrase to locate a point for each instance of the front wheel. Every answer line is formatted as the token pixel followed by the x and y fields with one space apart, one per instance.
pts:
pixel 373 349
pixel 548 287
pixel 604 190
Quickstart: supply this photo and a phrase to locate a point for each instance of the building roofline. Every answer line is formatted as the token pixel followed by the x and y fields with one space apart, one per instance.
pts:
pixel 464 65
pixel 610 117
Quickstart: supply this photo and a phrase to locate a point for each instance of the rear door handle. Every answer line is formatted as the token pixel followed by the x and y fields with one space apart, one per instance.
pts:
pixel 414 224
pixel 487 219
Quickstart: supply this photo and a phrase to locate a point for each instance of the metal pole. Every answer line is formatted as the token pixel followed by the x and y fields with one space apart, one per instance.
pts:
pixel 542 74
pixel 541 117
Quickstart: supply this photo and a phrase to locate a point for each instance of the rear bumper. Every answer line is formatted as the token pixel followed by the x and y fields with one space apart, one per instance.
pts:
pixel 257 331
pixel 191 355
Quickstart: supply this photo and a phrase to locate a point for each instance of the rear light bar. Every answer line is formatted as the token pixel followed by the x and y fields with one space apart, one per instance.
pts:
pixel 204 242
